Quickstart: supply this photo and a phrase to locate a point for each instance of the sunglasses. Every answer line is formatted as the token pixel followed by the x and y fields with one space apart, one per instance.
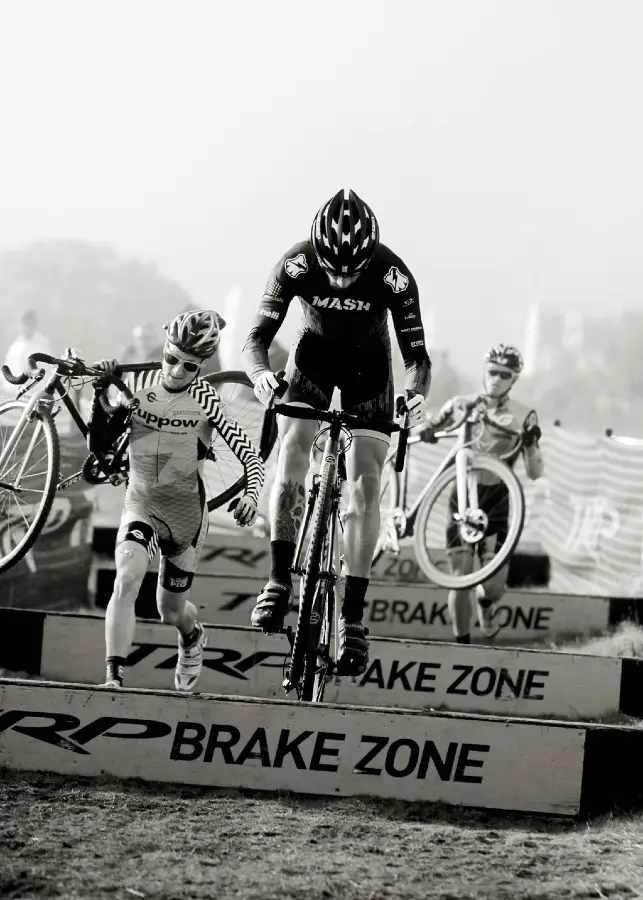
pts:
pixel 498 374
pixel 172 360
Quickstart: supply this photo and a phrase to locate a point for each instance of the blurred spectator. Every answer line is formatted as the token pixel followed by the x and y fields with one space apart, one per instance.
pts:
pixel 29 341
pixel 146 346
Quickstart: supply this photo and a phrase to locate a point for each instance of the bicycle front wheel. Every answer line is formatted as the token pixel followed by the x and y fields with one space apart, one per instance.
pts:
pixel 321 633
pixel 223 473
pixel 501 511
pixel 303 664
pixel 28 479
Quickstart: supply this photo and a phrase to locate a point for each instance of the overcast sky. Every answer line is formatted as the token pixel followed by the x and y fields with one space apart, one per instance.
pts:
pixel 500 144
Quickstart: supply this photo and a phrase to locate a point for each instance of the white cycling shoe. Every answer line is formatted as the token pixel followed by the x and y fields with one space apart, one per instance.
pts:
pixel 190 662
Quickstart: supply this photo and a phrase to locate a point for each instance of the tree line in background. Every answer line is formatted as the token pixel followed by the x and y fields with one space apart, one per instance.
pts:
pixel 90 297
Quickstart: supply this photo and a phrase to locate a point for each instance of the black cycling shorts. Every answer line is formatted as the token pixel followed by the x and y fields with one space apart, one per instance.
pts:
pixel 363 374
pixel 494 501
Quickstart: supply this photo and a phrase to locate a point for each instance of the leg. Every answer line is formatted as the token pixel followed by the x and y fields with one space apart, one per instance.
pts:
pixel 364 463
pixel 459 602
pixel 492 590
pixel 304 372
pixel 366 384
pixel 286 513
pixel 136 544
pixel 175 608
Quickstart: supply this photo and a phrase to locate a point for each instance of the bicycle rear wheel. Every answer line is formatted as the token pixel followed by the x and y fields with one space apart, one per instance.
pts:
pixel 28 478
pixel 303 662
pixel 224 475
pixel 435 515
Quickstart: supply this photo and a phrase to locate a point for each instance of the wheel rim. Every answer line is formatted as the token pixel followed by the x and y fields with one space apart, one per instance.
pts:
pixel 431 525
pixel 21 510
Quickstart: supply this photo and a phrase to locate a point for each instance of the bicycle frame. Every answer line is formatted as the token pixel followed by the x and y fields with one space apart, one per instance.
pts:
pixel 461 453
pixel 43 399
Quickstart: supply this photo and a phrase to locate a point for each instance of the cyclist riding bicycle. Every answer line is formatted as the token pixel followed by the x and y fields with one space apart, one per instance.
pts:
pixel 165 506
pixel 502 367
pixel 347 281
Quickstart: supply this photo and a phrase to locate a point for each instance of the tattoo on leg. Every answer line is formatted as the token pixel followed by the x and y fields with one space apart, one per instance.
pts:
pixel 289 506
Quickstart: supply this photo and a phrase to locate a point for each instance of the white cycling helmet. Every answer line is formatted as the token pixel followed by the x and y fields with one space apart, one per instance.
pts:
pixel 196 332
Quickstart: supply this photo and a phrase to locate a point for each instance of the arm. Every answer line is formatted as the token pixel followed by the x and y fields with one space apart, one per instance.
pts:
pixel 444 416
pixel 238 441
pixel 279 291
pixel 531 453
pixel 407 320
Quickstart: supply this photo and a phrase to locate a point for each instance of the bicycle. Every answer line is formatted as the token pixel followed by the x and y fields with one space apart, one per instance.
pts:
pixel 30 445
pixel 460 474
pixel 312 659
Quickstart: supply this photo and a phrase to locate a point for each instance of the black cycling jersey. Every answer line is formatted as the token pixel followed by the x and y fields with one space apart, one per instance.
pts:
pixel 352 318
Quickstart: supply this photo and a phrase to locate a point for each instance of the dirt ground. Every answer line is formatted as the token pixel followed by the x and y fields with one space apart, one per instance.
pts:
pixel 63 837
pixel 79 838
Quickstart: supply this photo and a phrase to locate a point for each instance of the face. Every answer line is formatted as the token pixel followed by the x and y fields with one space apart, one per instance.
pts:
pixel 341 282
pixel 498 380
pixel 179 368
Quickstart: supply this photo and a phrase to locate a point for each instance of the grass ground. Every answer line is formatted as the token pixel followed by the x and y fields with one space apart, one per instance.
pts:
pixel 63 837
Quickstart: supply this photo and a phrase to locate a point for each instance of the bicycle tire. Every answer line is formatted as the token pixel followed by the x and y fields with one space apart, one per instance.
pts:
pixel 322 634
pixel 304 648
pixel 450 580
pixel 236 377
pixel 390 478
pixel 51 482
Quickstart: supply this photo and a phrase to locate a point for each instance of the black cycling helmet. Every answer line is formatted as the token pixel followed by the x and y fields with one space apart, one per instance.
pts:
pixel 345 234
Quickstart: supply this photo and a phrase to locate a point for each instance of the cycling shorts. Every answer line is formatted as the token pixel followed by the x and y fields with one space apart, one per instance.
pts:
pixel 179 523
pixel 494 501
pixel 363 375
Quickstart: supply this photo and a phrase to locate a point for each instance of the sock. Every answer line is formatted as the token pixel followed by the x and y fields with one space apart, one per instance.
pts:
pixel 482 598
pixel 115 669
pixel 188 639
pixel 463 639
pixel 283 553
pixel 354 598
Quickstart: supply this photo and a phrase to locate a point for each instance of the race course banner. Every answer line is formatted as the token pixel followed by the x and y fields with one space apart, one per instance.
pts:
pixel 278 745
pixel 414 674
pixel 525 765
pixel 395 610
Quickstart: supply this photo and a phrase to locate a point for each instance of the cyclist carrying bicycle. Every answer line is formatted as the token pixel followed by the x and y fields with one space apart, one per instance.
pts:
pixel 175 413
pixel 502 367
pixel 347 281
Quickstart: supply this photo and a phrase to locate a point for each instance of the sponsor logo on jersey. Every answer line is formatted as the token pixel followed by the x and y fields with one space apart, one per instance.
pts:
pixel 339 303
pixel 159 421
pixel 410 316
pixel 269 313
pixel 417 343
pixel 151 397
pixel 414 328
pixel 138 534
pixel 296 265
pixel 396 280
pixel 408 302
